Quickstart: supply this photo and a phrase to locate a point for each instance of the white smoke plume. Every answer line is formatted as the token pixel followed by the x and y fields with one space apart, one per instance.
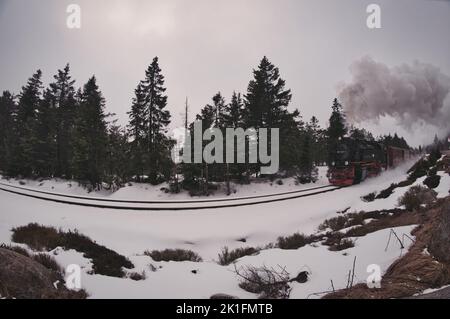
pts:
pixel 416 94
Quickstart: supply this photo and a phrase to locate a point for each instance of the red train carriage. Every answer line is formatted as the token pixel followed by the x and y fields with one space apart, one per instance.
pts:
pixel 396 156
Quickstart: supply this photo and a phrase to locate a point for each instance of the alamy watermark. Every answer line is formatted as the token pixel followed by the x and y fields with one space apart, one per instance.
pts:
pixel 374 18
pixel 230 146
pixel 374 279
pixel 73 277
pixel 74 16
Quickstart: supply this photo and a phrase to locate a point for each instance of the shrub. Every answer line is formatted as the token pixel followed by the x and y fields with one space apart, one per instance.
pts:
pixel 335 223
pixel 343 244
pixel 356 219
pixel 407 182
pixel 269 283
pixel 385 193
pixel 417 196
pixel 344 221
pixel 48 262
pixel 227 257
pixel 137 276
pixel 295 241
pixel 434 156
pixel 369 197
pixel 280 182
pixel 105 261
pixel 37 237
pixel 432 171
pixel 174 255
pixel 432 181
pixel 419 169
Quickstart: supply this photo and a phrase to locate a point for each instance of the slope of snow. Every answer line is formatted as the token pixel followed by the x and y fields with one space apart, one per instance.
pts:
pixel 131 233
pixel 176 280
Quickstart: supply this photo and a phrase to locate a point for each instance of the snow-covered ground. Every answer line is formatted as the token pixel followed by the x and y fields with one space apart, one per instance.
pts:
pixel 131 233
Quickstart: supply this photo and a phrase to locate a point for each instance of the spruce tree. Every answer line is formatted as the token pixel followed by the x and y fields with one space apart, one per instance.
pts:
pixel 266 99
pixel 137 130
pixel 307 169
pixel 219 106
pixel 8 141
pixel 266 105
pixel 90 137
pixel 158 118
pixel 233 112
pixel 45 130
pixel 65 103
pixel 316 146
pixel 117 166
pixel 336 130
pixel 24 159
pixel 233 117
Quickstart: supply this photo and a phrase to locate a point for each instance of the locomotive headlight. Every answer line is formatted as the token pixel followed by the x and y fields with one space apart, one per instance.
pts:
pixel 346 163
pixel 333 163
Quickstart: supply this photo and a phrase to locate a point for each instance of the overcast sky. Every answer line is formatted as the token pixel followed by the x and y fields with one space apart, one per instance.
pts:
pixel 206 46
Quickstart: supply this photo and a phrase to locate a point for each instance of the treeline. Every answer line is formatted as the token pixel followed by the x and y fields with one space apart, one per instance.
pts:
pixel 64 131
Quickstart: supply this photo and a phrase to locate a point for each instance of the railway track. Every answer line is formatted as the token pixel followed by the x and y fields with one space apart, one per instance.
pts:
pixel 117 204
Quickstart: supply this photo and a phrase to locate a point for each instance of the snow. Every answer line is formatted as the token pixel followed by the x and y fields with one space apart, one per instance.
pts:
pixel 443 189
pixel 206 232
pixel 143 191
pixel 429 291
pixel 326 266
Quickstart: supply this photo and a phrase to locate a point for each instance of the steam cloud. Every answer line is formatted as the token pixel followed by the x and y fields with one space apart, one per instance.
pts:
pixel 412 94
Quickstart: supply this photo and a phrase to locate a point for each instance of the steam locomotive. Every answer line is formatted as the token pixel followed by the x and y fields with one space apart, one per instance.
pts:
pixel 355 160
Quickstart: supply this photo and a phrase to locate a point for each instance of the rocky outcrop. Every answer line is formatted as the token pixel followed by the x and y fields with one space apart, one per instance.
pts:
pixel 23 278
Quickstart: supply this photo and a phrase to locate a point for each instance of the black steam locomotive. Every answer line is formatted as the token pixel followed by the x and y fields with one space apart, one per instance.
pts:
pixel 355 160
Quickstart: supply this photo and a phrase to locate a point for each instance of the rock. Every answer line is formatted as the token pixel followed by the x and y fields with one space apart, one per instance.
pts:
pixel 23 278
pixel 301 277
pixel 223 297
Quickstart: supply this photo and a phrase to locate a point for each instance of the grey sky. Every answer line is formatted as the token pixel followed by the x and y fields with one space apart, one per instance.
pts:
pixel 209 45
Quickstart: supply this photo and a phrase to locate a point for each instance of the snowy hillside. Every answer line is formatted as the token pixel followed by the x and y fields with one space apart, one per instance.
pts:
pixel 206 232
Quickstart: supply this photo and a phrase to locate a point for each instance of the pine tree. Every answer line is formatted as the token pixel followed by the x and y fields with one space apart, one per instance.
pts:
pixel 219 106
pixel 307 172
pixel 8 141
pixel 233 112
pixel 29 101
pixel 316 146
pixel 266 105
pixel 90 137
pixel 117 157
pixel 266 98
pixel 137 130
pixel 158 118
pixel 233 117
pixel 292 132
pixel 45 130
pixel 65 102
pixel 336 130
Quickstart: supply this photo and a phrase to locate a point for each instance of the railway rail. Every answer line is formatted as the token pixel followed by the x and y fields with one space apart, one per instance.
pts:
pixel 118 204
